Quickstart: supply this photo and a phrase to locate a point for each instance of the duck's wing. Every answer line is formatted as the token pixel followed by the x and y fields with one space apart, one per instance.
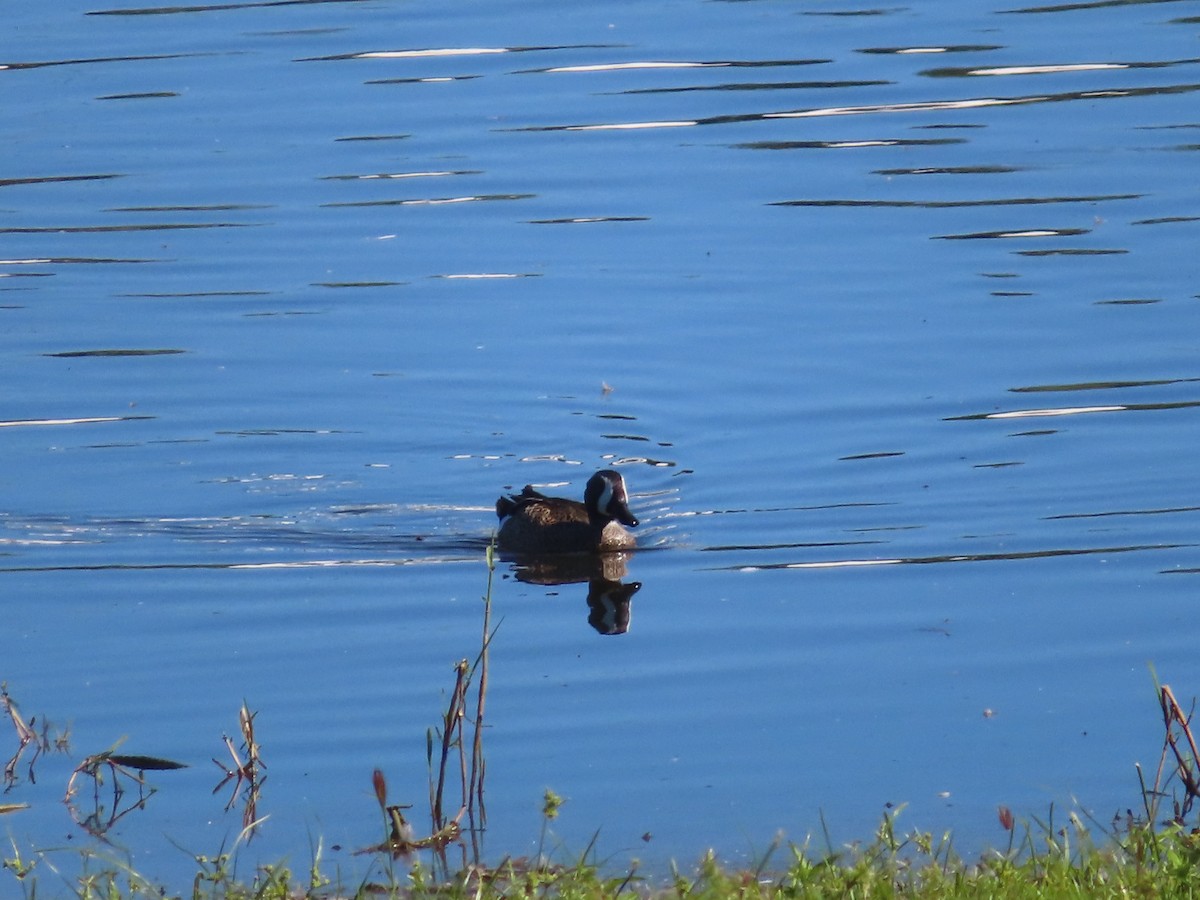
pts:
pixel 507 505
pixel 541 511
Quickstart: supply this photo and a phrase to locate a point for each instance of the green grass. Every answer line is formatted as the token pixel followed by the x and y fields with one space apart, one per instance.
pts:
pixel 1046 861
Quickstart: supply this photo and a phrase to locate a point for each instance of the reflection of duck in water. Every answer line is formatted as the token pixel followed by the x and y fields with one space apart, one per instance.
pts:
pixel 609 609
pixel 531 522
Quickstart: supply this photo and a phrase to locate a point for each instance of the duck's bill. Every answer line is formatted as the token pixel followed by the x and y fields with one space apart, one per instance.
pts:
pixel 623 515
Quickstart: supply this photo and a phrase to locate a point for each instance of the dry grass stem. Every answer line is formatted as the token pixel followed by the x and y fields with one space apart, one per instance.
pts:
pixel 246 771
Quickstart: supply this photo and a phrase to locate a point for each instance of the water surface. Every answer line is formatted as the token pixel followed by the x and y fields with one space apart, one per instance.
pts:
pixel 888 316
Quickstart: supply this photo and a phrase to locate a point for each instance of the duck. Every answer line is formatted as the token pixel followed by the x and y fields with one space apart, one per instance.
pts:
pixel 532 523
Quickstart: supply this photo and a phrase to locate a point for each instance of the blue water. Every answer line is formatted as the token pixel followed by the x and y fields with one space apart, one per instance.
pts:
pixel 888 319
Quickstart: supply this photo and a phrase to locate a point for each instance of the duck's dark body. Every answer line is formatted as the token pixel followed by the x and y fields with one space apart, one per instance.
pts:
pixel 531 522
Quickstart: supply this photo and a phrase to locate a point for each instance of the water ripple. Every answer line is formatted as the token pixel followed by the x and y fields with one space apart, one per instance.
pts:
pixel 970 103
pixel 953 558
pixel 210 7
pixel 959 204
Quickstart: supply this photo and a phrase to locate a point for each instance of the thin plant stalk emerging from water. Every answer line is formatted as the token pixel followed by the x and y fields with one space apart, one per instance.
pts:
pixel 247 771
pixel 447 745
pixel 1179 744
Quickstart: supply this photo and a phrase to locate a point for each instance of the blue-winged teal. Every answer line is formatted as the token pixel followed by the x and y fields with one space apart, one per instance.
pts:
pixel 531 522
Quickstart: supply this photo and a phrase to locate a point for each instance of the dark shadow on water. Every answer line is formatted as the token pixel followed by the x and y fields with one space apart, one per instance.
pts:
pixel 608 597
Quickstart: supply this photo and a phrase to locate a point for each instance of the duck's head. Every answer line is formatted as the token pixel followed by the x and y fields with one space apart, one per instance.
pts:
pixel 606 500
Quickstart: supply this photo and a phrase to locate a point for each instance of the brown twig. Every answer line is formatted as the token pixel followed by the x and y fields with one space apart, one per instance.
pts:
pixel 1175 721
pixel 451 736
pixel 118 765
pixel 245 771
pixel 25 732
